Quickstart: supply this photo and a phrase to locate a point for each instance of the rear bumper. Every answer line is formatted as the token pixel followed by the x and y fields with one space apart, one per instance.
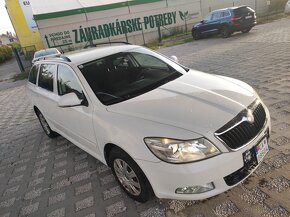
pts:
pixel 240 27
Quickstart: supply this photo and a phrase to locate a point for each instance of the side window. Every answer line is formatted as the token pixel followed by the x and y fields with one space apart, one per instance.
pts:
pixel 225 14
pixel 33 74
pixel 46 75
pixel 216 16
pixel 67 82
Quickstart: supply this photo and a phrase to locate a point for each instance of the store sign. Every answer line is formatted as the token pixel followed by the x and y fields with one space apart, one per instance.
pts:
pixel 111 29
pixel 27 11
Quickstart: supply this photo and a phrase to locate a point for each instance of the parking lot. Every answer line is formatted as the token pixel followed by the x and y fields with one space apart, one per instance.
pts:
pixel 44 177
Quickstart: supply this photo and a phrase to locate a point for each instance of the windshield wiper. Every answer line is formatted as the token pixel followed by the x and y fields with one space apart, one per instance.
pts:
pixel 114 99
pixel 108 94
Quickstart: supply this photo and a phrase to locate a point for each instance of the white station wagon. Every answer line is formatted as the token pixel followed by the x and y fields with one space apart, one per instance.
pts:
pixel 164 129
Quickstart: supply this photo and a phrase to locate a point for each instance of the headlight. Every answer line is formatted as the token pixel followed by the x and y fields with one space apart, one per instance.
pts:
pixel 180 151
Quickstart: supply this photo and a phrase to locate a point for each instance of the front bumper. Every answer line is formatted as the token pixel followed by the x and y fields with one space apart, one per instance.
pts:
pixel 165 178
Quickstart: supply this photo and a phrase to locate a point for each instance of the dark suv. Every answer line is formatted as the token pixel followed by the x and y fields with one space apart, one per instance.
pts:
pixel 225 22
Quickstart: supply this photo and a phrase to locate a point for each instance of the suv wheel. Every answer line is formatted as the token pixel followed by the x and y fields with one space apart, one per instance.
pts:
pixel 246 30
pixel 46 128
pixel 129 175
pixel 226 32
pixel 196 35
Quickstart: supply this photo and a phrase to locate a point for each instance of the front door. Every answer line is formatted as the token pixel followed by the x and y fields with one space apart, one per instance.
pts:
pixel 75 122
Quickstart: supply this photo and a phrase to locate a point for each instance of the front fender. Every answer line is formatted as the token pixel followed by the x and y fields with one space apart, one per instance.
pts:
pixel 128 133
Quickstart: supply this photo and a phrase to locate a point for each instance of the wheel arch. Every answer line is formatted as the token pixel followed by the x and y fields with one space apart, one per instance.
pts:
pixel 224 25
pixel 109 147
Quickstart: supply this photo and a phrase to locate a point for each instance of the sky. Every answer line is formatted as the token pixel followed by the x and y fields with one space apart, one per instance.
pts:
pixel 5 24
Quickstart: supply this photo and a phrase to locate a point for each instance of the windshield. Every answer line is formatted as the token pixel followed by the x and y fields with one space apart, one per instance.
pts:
pixel 125 75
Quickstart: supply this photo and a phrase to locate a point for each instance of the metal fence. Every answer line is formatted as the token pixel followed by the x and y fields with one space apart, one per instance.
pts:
pixel 26 56
pixel 262 7
pixel 161 33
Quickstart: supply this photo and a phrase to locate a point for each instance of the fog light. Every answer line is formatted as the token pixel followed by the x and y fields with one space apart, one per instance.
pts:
pixel 195 189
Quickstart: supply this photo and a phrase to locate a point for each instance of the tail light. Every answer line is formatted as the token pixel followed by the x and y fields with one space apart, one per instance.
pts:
pixel 235 19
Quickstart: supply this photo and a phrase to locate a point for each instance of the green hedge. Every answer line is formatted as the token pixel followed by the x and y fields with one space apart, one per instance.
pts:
pixel 5 53
pixel 16 45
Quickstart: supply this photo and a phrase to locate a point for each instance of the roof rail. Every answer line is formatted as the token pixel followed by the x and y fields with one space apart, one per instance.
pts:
pixel 63 57
pixel 105 43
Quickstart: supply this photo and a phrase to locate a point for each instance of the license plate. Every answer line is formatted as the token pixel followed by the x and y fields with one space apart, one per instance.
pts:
pixel 249 17
pixel 261 149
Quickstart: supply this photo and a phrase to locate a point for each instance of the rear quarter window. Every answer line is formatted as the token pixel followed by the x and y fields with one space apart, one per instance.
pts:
pixel 243 11
pixel 33 74
pixel 46 75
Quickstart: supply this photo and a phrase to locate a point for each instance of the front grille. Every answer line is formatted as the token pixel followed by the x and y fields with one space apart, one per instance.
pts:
pixel 240 131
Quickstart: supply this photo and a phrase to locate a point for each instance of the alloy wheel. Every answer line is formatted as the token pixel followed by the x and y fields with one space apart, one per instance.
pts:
pixel 127 177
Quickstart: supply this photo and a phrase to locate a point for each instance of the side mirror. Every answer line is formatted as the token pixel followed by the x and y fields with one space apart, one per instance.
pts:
pixel 69 100
pixel 174 58
pixel 202 21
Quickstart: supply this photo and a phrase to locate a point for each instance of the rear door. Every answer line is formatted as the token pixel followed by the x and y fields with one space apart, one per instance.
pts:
pixel 46 90
pixel 32 83
pixel 75 122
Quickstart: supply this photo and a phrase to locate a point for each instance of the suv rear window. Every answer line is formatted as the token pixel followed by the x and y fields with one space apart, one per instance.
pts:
pixel 243 10
pixel 46 75
pixel 33 74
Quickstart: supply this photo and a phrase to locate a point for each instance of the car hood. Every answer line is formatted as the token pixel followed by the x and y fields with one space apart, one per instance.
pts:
pixel 196 101
pixel 197 25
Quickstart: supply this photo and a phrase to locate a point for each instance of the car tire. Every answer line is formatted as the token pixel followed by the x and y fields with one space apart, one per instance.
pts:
pixel 45 126
pixel 226 32
pixel 129 175
pixel 246 30
pixel 196 35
